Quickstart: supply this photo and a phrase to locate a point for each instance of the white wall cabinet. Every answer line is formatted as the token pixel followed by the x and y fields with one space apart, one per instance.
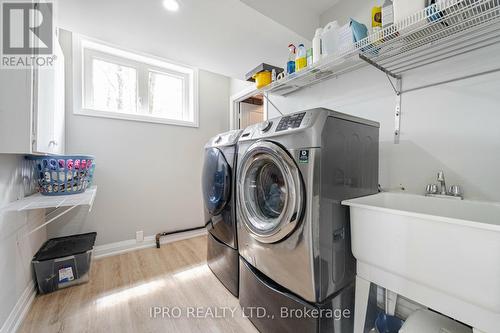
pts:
pixel 32 109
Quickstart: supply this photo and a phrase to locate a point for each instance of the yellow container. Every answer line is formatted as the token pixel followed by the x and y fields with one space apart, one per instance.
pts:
pixel 376 17
pixel 300 63
pixel 262 79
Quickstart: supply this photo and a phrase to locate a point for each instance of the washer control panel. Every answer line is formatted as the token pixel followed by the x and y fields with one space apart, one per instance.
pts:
pixel 225 139
pixel 265 126
pixel 292 121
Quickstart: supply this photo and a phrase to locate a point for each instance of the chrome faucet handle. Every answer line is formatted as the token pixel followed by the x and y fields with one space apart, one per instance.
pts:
pixel 431 189
pixel 456 190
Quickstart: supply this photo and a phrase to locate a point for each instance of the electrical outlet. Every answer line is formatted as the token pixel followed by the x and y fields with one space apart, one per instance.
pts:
pixel 139 236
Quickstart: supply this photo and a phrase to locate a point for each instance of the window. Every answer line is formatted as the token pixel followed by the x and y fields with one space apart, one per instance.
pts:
pixel 114 83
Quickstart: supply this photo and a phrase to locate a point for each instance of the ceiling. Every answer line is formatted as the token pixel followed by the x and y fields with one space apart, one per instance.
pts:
pixel 229 37
pixel 299 16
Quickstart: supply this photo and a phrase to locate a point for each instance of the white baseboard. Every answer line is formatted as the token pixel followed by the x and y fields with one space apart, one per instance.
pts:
pixel 16 316
pixel 116 248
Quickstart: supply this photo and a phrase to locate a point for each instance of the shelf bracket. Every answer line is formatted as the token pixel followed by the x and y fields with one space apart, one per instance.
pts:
pixel 61 209
pixel 397 109
pixel 397 90
pixel 377 66
pixel 50 219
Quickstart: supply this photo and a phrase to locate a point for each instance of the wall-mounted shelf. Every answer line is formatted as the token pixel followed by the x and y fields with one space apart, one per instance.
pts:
pixel 437 33
pixel 62 204
pixel 326 69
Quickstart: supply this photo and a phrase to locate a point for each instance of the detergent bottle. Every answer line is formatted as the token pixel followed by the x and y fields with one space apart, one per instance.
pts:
pixel 301 59
pixel 290 65
pixel 330 39
pixel 317 45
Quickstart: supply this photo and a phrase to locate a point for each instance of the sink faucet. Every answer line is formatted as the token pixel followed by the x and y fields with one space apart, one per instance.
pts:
pixel 454 192
pixel 441 181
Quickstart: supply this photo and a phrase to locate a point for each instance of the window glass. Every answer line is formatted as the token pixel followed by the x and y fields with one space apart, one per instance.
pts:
pixel 114 87
pixel 166 96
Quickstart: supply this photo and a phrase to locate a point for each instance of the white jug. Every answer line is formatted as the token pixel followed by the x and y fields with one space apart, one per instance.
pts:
pixel 330 38
pixel 405 8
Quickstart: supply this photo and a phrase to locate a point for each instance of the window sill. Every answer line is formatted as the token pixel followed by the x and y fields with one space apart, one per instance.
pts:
pixel 135 117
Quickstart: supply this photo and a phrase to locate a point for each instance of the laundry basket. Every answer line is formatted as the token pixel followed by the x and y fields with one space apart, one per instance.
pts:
pixel 60 175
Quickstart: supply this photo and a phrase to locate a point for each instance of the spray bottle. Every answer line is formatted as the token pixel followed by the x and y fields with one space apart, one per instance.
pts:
pixel 290 65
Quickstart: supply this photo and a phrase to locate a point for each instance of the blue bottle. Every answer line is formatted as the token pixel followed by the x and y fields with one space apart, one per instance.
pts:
pixel 290 65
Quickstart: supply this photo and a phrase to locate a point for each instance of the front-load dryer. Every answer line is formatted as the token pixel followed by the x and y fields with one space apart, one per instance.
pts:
pixel 294 238
pixel 218 185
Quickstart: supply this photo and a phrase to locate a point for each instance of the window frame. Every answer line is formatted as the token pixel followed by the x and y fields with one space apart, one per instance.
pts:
pixel 86 49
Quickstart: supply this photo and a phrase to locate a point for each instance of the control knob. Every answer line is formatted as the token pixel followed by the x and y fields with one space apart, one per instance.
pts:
pixel 265 126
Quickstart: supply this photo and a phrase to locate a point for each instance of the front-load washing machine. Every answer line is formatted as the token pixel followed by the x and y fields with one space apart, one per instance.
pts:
pixel 218 184
pixel 294 238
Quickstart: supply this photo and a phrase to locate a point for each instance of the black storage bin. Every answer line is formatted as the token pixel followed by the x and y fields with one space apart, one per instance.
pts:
pixel 64 261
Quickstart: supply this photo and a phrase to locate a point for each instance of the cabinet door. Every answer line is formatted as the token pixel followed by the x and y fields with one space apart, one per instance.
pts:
pixel 15 110
pixel 49 106
pixel 59 110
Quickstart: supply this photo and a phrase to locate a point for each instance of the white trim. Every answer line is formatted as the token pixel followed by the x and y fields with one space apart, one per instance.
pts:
pixel 134 117
pixel 116 248
pixel 137 56
pixel 234 101
pixel 18 313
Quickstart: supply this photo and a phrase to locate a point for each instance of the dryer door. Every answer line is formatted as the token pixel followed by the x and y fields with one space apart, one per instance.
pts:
pixel 216 181
pixel 270 192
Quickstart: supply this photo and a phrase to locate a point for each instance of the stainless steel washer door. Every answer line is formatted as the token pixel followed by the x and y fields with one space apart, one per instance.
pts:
pixel 270 192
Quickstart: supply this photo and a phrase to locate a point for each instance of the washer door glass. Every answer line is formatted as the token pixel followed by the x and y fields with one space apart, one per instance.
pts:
pixel 269 192
pixel 266 190
pixel 216 181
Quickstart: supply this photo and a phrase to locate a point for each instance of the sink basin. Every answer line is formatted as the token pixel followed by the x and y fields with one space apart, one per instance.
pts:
pixel 442 253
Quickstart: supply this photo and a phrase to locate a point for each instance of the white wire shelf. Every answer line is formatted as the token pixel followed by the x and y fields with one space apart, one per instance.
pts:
pixel 439 32
pixel 62 204
pixel 38 201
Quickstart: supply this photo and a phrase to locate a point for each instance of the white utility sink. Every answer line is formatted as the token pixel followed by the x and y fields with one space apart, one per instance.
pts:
pixel 442 253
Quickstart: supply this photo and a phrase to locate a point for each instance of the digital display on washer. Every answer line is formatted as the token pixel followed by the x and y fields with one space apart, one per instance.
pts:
pixel 292 121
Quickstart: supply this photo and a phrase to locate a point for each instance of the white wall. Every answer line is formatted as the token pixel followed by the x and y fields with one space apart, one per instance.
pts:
pixel 15 250
pixel 360 10
pixel 236 86
pixel 454 127
pixel 148 175
pixel 295 15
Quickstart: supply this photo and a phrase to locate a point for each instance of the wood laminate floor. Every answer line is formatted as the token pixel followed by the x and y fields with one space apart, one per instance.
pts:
pixel 125 289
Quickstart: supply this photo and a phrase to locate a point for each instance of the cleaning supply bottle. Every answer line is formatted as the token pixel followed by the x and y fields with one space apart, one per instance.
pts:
pixel 330 39
pixel 317 45
pixel 301 59
pixel 387 14
pixel 309 56
pixel 290 65
pixel 376 19
pixel 405 8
